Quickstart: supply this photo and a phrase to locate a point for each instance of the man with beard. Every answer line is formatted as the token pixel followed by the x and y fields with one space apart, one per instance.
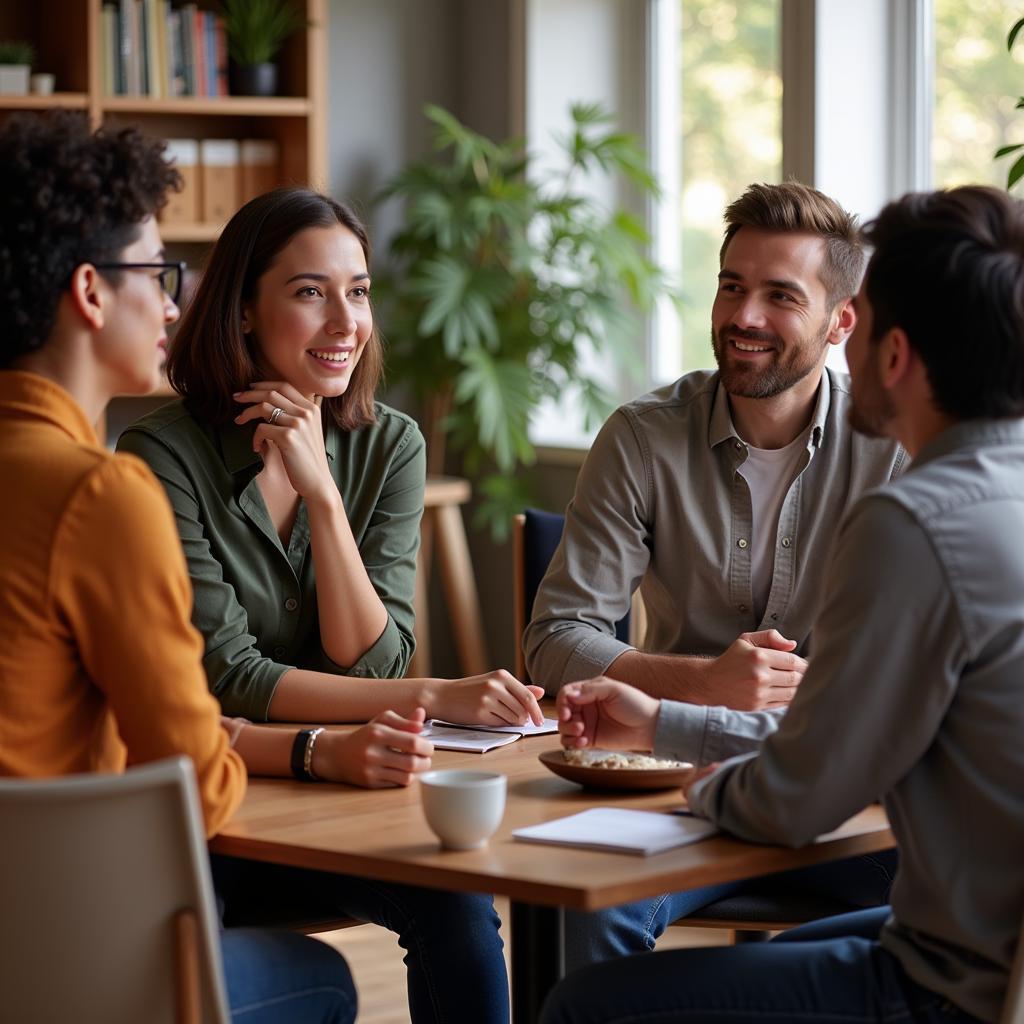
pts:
pixel 916 685
pixel 720 495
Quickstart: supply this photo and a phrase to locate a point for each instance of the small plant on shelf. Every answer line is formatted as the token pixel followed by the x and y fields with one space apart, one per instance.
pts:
pixel 256 31
pixel 16 59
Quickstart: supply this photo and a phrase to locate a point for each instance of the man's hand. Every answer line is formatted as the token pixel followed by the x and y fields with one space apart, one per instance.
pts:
pixel 757 671
pixel 604 713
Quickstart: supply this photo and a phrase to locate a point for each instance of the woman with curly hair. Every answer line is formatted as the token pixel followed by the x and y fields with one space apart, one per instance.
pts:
pixel 100 663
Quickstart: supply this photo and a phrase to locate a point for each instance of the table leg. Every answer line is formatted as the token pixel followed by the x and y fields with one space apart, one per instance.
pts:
pixel 537 958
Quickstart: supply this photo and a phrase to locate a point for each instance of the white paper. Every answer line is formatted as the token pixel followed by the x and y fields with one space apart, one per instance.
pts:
pixel 472 740
pixel 621 830
pixel 549 725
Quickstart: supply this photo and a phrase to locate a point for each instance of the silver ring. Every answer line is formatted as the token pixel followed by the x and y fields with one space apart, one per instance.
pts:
pixel 273 416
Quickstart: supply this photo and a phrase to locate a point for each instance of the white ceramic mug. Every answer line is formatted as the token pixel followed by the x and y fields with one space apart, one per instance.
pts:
pixel 42 83
pixel 464 808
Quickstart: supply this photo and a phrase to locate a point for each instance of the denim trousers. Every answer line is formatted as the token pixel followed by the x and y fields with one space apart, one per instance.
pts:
pixel 455 969
pixel 833 971
pixel 594 936
pixel 275 977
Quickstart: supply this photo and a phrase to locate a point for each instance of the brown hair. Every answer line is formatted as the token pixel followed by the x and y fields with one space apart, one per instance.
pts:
pixel 211 357
pixel 792 207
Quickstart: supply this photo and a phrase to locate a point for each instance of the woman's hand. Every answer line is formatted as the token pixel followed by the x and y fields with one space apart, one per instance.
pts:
pixel 494 698
pixel 296 432
pixel 608 714
pixel 387 751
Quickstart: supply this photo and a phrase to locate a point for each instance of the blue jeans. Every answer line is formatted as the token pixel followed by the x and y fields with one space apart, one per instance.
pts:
pixel 453 950
pixel 275 977
pixel 832 970
pixel 594 936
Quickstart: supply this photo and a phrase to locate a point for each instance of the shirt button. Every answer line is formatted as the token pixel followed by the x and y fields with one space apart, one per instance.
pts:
pixel 739 446
pixel 742 607
pixel 742 542
pixel 291 604
pixel 280 652
pixel 775 617
pixel 786 541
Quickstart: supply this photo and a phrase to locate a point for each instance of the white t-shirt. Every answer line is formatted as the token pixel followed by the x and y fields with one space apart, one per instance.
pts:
pixel 768 472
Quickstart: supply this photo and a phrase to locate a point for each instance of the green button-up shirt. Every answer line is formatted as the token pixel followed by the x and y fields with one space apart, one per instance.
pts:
pixel 255 599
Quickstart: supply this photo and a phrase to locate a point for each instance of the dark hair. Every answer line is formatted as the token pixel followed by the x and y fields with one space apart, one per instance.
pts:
pixel 948 269
pixel 210 358
pixel 792 207
pixel 70 196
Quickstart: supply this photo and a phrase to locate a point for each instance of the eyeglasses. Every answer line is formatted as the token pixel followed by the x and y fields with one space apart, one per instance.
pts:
pixel 170 277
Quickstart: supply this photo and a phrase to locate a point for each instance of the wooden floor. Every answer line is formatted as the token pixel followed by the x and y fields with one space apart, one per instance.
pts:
pixel 376 962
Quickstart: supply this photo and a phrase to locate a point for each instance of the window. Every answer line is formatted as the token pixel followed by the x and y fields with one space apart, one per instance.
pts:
pixel 976 86
pixel 716 126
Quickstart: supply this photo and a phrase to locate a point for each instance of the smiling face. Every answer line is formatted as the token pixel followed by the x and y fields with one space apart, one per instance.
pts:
pixel 131 346
pixel 311 317
pixel 771 322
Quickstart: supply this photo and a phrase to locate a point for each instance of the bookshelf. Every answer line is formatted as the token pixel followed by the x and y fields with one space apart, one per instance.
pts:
pixel 67 37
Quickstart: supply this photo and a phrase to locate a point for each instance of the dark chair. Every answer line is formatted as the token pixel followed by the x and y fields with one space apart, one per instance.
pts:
pixel 750 918
pixel 535 536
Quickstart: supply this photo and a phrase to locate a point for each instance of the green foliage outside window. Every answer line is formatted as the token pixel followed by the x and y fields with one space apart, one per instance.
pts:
pixel 503 279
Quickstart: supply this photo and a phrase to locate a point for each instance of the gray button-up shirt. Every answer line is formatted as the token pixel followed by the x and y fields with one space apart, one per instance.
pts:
pixel 916 691
pixel 659 503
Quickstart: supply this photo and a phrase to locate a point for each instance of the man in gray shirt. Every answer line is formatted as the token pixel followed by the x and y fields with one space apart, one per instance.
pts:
pixel 916 690
pixel 720 496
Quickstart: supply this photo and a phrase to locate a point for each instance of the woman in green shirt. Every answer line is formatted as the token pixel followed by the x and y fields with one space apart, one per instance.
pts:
pixel 298 499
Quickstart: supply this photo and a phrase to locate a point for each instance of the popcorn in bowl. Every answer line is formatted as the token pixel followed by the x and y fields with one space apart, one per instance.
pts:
pixel 619 759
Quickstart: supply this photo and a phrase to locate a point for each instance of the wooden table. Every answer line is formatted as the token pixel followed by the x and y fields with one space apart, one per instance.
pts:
pixel 381 834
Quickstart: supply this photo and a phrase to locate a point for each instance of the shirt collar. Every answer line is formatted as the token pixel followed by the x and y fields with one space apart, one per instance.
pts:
pixel 236 447
pixel 721 426
pixel 28 396
pixel 971 434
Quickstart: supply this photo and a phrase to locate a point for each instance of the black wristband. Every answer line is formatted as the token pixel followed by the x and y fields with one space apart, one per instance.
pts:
pixel 299 769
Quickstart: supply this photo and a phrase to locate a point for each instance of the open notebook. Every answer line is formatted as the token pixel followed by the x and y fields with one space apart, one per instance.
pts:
pixel 479 739
pixel 620 830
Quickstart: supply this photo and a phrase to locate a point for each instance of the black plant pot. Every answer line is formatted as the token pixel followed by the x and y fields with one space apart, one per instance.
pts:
pixel 254 80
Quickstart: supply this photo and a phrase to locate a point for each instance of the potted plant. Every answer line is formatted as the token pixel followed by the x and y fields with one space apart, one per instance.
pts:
pixel 15 63
pixel 1016 170
pixel 501 281
pixel 256 31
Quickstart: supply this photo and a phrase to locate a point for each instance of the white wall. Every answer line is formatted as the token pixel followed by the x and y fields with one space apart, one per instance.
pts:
pixel 387 59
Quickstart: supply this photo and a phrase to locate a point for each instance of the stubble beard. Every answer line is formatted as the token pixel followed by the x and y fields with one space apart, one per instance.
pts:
pixel 783 372
pixel 871 408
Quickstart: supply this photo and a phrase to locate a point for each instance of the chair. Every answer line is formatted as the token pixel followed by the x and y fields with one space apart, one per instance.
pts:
pixel 750 918
pixel 1013 1008
pixel 108 910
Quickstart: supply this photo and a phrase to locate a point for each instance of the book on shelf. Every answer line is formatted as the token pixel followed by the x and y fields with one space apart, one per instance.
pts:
pixel 151 48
